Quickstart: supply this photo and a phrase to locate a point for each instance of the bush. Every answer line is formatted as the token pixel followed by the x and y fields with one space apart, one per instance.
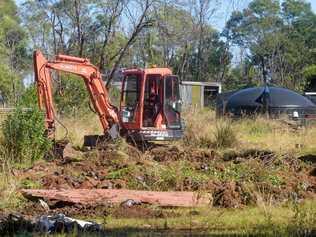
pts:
pixel 224 135
pixel 23 136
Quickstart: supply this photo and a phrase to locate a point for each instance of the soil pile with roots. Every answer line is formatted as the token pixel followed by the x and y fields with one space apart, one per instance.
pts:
pixel 234 179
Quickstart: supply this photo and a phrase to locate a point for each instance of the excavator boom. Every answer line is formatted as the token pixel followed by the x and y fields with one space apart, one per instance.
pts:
pixel 99 96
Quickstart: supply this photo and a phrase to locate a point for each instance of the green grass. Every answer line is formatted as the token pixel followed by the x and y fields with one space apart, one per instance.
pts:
pixel 286 220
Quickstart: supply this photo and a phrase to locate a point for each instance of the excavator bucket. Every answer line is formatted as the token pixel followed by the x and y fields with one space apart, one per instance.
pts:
pixel 95 140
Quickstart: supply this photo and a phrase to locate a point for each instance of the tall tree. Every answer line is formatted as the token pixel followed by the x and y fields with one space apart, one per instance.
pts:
pixel 13 53
pixel 275 37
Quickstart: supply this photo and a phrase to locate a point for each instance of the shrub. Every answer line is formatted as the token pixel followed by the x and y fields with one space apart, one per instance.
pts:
pixel 23 136
pixel 224 135
pixel 28 97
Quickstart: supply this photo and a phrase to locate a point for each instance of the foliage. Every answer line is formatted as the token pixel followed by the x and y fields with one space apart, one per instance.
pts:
pixel 23 136
pixel 6 79
pixel 248 221
pixel 277 38
pixel 28 98
pixel 71 95
pixel 241 76
pixel 13 54
pixel 309 73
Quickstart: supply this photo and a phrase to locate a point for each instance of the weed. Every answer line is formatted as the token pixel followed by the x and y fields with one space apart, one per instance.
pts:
pixel 304 217
pixel 10 199
pixel 224 135
pixel 118 174
pixel 30 184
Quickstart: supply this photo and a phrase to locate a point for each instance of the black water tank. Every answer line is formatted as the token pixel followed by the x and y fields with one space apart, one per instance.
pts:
pixel 278 100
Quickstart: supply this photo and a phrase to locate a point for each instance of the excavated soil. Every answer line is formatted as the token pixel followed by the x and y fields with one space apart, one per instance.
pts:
pixel 117 167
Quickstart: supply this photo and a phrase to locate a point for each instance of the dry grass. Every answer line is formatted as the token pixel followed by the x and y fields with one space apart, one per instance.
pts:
pixel 75 128
pixel 10 198
pixel 202 129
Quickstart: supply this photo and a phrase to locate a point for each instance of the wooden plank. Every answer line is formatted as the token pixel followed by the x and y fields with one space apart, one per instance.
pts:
pixel 117 196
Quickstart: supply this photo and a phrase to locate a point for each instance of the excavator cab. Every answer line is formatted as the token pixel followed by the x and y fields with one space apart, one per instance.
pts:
pixel 150 108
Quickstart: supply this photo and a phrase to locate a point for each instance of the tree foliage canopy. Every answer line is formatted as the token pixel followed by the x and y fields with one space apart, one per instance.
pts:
pixel 275 41
pixel 279 39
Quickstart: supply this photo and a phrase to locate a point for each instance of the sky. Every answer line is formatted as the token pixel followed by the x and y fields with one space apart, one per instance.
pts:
pixel 226 8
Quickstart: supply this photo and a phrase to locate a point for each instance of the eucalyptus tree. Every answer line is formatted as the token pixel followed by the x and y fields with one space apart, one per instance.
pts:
pixel 279 39
pixel 13 54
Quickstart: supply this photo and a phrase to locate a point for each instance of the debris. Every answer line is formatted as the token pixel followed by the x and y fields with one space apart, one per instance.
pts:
pixel 118 196
pixel 130 203
pixel 14 222
pixel 66 152
pixel 44 205
pixel 227 195
pixel 63 224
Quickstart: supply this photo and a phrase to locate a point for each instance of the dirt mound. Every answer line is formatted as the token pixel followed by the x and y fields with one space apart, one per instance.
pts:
pixel 233 179
pixel 174 153
pixel 265 156
pixel 163 154
pixel 227 194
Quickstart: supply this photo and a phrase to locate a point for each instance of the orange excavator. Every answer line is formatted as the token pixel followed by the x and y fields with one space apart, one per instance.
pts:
pixel 150 104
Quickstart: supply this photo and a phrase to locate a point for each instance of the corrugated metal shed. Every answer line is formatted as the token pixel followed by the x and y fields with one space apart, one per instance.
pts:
pixel 201 94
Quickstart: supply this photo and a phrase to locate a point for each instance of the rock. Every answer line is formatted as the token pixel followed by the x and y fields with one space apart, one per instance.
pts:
pixel 106 184
pixel 70 154
pixel 65 151
pixel 44 205
pixel 130 203
pixel 89 183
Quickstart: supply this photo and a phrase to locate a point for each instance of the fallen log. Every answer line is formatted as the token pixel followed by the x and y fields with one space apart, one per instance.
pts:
pixel 118 196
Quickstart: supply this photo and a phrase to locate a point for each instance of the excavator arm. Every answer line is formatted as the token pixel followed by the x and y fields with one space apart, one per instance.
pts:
pixel 92 78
